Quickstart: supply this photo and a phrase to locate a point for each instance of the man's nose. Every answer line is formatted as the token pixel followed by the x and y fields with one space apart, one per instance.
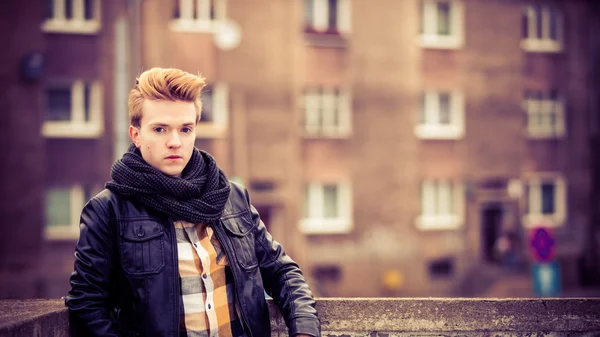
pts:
pixel 174 141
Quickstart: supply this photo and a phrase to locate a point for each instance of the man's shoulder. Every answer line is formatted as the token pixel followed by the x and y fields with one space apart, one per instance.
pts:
pixel 120 207
pixel 104 202
pixel 113 202
pixel 106 196
pixel 237 189
pixel 238 201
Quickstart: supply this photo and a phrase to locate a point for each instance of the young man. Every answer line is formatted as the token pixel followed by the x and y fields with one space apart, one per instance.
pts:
pixel 171 247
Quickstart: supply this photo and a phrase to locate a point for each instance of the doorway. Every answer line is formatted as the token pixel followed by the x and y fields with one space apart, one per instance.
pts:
pixel 491 229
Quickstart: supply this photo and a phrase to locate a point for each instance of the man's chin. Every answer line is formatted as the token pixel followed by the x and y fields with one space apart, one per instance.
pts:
pixel 173 173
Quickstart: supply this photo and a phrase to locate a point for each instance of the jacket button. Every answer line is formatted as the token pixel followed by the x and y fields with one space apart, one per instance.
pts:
pixel 140 232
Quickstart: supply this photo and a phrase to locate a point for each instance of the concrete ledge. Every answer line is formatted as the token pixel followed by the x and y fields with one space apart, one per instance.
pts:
pixel 377 317
pixel 455 317
pixel 35 318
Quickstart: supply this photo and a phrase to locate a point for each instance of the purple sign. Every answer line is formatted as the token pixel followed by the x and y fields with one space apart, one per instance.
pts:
pixel 542 244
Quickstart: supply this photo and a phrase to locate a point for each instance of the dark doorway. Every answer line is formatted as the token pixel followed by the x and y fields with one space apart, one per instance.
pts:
pixel 491 229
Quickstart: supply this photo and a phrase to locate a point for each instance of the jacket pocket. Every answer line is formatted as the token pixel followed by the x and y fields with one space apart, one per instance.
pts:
pixel 240 228
pixel 142 247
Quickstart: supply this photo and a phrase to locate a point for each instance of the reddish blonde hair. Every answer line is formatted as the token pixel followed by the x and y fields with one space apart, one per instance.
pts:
pixel 164 84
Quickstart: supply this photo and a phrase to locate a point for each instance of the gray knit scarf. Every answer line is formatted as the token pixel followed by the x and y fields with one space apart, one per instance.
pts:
pixel 199 196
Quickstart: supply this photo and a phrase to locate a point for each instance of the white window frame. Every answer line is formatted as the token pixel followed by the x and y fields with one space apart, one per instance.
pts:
pixel 534 217
pixel 320 105
pixel 320 16
pixel 203 23
pixel 316 223
pixel 544 44
pixel 76 204
pixel 220 114
pixel 432 128
pixel 429 38
pixel 78 24
pixel 78 127
pixel 436 193
pixel 547 107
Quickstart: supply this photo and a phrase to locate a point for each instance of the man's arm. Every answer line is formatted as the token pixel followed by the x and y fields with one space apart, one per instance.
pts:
pixel 284 282
pixel 89 300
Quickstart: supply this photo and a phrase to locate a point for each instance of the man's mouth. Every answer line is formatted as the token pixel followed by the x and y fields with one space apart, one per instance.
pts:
pixel 174 157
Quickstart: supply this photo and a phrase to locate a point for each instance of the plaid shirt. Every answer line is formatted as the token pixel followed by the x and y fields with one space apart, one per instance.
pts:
pixel 207 288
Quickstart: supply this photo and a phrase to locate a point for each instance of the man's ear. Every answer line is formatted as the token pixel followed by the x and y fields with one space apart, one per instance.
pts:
pixel 134 134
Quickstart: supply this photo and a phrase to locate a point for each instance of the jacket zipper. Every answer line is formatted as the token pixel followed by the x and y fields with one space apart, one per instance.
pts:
pixel 176 269
pixel 229 250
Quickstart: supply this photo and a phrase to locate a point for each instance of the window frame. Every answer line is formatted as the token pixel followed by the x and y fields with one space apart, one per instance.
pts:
pixel 77 126
pixel 534 218
pixel 203 23
pixel 220 112
pixel 544 44
pixel 315 222
pixel 547 107
pixel 76 203
pixel 76 25
pixel 320 18
pixel 429 217
pixel 429 36
pixel 431 128
pixel 320 106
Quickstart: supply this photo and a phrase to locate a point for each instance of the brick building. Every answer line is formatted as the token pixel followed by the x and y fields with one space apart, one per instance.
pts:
pixel 390 139
pixel 60 67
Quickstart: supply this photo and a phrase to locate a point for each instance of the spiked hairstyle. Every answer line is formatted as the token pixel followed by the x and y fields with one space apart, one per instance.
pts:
pixel 164 84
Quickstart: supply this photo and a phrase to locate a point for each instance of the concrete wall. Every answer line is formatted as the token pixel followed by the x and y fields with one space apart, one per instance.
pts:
pixel 377 317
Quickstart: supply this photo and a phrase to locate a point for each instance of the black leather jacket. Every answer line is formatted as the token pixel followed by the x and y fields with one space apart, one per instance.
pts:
pixel 126 278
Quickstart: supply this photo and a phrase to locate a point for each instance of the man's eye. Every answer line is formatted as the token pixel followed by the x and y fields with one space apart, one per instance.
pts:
pixel 159 129
pixel 186 130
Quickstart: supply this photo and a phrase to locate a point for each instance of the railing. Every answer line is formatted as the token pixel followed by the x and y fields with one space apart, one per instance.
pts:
pixel 377 317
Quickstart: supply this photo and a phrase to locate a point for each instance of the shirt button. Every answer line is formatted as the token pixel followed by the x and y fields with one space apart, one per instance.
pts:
pixel 195 244
pixel 204 275
pixel 209 306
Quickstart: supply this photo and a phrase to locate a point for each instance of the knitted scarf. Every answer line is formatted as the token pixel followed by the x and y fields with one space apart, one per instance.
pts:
pixel 199 196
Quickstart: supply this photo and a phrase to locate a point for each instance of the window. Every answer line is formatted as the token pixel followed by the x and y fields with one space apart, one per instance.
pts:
pixel 327 16
pixel 215 111
pixel 442 205
pixel 73 110
pixel 63 209
pixel 442 24
pixel 542 29
pixel 327 112
pixel 545 114
pixel 441 268
pixel 327 209
pixel 197 15
pixel 441 115
pixel 72 16
pixel 546 201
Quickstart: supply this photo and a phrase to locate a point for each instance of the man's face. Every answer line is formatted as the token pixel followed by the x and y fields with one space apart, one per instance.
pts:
pixel 166 135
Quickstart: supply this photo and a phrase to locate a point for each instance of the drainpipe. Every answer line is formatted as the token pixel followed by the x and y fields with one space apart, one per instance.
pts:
pixel 127 64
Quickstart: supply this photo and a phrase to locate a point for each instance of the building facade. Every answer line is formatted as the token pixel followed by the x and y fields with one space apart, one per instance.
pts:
pixel 387 144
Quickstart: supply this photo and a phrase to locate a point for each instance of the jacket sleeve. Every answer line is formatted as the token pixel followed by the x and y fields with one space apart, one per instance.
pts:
pixel 284 282
pixel 89 300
